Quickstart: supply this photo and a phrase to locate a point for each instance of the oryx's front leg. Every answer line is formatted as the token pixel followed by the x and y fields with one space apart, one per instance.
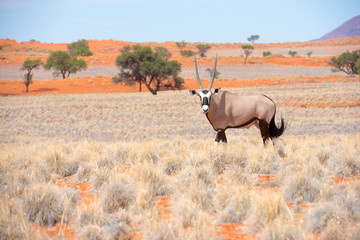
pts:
pixel 220 136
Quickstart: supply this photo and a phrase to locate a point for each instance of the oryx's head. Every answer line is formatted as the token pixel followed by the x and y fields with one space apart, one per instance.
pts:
pixel 205 94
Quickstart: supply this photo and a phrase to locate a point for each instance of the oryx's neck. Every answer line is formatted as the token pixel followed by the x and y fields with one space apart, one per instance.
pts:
pixel 213 108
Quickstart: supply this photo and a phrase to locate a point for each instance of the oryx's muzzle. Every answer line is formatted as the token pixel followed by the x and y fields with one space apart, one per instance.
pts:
pixel 205 96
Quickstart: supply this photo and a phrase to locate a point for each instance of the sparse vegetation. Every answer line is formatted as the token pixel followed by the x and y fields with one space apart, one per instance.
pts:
pixel 123 166
pixel 211 70
pixel 348 62
pixel 203 48
pixel 247 50
pixel 29 65
pixel 125 49
pixel 163 53
pixel 187 53
pixel 309 53
pixel 63 63
pixel 159 180
pixel 292 53
pixel 143 66
pixel 253 38
pixel 198 199
pixel 80 48
pixel 181 44
pixel 266 54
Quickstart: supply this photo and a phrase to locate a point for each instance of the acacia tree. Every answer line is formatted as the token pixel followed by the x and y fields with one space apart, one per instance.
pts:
pixel 211 70
pixel 253 38
pixel 203 48
pixel 143 66
pixel 30 65
pixel 181 44
pixel 63 63
pixel 163 53
pixel 348 62
pixel 247 50
pixel 80 48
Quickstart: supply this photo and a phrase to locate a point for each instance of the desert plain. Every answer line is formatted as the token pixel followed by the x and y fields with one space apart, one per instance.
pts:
pixel 82 158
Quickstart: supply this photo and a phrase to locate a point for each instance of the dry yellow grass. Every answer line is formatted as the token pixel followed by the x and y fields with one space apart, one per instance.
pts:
pixel 135 148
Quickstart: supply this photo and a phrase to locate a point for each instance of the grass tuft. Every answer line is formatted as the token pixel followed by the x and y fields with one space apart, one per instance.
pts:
pixel 323 216
pixel 92 214
pixel 57 158
pixel 302 187
pixel 234 204
pixel 47 205
pixel 12 222
pixel 266 209
pixel 118 193
pixel 90 232
pixel 283 230
pixel 152 177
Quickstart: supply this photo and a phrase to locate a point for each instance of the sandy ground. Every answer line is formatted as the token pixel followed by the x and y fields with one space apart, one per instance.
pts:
pixel 284 50
pixel 249 71
pixel 309 109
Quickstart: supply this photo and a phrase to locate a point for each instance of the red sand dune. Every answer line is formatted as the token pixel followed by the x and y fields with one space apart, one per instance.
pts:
pixel 106 51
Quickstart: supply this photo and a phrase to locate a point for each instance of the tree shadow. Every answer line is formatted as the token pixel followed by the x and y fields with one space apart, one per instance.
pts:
pixel 44 90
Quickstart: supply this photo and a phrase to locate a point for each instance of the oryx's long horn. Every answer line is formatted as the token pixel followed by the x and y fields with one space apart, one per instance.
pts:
pixel 213 75
pixel 197 76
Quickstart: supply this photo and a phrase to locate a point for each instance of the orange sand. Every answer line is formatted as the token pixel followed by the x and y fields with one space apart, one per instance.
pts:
pixel 339 180
pixel 106 51
pixel 234 232
pixel 104 84
pixel 163 205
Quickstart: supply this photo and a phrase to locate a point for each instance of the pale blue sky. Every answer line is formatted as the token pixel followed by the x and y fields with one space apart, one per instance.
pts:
pixel 66 21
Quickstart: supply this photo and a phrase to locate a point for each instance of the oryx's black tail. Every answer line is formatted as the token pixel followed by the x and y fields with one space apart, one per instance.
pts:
pixel 274 131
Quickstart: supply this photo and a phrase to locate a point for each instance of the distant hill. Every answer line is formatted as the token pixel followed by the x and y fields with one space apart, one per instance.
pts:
pixel 350 28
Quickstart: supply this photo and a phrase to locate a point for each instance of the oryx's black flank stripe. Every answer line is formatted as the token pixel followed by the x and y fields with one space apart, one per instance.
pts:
pixel 245 124
pixel 239 126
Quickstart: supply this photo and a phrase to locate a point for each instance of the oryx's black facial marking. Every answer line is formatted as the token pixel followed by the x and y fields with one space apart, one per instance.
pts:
pixel 205 101
pixel 205 96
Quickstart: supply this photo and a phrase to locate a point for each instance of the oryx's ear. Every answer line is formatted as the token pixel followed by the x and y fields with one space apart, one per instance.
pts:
pixel 192 92
pixel 217 90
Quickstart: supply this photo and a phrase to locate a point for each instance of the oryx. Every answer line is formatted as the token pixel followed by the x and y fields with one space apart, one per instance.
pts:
pixel 227 110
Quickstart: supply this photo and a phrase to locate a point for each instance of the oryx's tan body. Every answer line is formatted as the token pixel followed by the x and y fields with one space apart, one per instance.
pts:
pixel 228 110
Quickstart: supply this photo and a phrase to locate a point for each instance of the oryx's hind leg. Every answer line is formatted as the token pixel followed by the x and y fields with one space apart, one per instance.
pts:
pixel 274 141
pixel 220 136
pixel 264 129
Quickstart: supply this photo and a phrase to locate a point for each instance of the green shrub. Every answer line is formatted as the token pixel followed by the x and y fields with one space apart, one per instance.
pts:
pixel 266 54
pixel 187 53
pixel 80 48
pixel 292 53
